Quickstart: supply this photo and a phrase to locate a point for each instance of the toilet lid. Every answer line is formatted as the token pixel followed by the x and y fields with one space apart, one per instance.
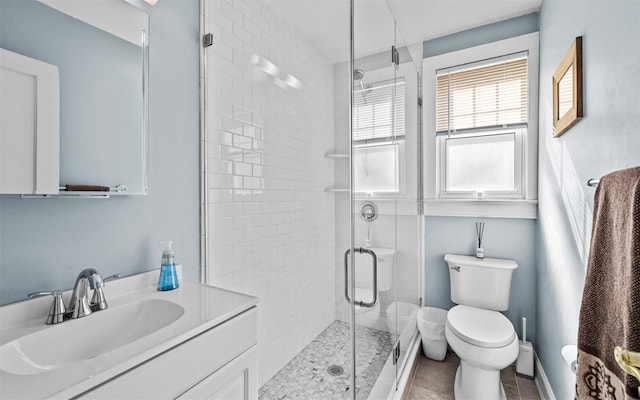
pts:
pixel 479 327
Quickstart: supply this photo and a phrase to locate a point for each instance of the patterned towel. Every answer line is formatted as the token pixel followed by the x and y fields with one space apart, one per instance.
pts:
pixel 610 311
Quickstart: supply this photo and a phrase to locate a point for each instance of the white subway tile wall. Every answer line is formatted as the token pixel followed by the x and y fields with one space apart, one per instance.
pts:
pixel 271 224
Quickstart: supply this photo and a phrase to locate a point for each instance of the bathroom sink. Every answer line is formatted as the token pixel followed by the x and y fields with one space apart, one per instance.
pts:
pixel 71 358
pixel 86 338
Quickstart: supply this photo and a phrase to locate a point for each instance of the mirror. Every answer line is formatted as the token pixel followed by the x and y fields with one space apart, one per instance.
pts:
pixel 101 50
pixel 567 90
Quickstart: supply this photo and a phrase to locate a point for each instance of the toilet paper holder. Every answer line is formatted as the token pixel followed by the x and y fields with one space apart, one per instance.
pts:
pixel 570 355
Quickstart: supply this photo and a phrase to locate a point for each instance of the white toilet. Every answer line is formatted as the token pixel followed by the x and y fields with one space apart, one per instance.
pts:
pixel 368 316
pixel 480 335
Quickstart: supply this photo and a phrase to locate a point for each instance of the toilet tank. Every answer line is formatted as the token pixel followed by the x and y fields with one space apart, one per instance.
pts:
pixel 364 268
pixel 482 283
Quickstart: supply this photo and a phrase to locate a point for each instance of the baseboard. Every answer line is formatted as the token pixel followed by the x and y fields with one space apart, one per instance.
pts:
pixel 542 383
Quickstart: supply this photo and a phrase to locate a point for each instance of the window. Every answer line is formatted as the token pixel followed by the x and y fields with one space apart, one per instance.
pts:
pixel 493 94
pixel 481 119
pixel 378 136
pixel 482 165
pixel 480 130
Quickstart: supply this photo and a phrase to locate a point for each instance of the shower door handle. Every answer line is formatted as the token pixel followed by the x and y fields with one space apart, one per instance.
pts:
pixel 375 277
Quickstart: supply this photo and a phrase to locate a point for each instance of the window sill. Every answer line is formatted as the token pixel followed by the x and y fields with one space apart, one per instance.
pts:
pixel 526 209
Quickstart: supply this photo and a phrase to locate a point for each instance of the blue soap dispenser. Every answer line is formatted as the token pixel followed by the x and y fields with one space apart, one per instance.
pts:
pixel 168 277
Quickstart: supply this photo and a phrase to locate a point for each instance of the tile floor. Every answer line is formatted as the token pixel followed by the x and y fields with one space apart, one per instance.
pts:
pixel 433 380
pixel 306 376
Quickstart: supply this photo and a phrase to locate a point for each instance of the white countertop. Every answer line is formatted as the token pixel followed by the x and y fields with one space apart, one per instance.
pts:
pixel 204 308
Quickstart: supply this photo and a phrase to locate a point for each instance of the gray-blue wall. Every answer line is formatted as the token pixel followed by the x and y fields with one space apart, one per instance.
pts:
pixel 606 139
pixel 44 243
pixel 500 30
pixel 504 238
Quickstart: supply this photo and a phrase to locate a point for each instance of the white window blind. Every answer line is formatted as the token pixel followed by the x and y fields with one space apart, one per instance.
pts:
pixel 379 110
pixel 492 95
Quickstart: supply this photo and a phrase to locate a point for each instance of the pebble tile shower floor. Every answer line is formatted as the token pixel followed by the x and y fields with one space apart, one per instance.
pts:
pixel 307 377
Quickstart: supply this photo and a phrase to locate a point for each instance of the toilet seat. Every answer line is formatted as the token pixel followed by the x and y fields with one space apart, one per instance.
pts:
pixel 483 328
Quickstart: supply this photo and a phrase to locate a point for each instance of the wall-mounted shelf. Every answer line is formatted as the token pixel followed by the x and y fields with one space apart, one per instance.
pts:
pixel 335 189
pixel 336 156
pixel 69 195
pixel 119 190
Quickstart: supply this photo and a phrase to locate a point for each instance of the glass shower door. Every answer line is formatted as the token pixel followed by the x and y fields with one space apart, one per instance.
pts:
pixel 376 181
pixel 383 288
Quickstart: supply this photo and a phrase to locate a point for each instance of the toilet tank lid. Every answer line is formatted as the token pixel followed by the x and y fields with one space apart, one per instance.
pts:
pixel 480 262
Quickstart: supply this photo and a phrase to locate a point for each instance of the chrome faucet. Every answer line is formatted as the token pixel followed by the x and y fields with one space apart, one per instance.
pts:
pixel 80 305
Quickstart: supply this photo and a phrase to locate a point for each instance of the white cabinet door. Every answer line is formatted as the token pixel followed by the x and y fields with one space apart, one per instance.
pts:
pixel 29 125
pixel 237 380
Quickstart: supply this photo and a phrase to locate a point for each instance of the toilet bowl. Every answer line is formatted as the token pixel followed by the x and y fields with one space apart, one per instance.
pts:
pixel 482 337
pixel 485 342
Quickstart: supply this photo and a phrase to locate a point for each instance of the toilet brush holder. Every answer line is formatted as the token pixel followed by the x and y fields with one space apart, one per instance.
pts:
pixel 524 363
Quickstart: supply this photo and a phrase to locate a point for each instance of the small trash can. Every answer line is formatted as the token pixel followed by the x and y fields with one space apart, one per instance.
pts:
pixel 431 326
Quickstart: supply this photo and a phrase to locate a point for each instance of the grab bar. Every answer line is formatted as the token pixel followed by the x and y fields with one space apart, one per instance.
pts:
pixel 375 277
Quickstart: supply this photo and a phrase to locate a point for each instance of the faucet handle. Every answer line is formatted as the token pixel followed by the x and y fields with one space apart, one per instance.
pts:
pixel 57 310
pixel 111 277
pixel 98 301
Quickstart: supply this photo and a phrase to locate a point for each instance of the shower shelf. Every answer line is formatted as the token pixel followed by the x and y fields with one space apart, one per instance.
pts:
pixel 335 189
pixel 336 156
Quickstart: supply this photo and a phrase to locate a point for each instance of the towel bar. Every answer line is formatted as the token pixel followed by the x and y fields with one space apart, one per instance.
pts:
pixel 593 182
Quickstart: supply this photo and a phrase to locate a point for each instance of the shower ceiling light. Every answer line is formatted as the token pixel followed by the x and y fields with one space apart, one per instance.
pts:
pixel 282 79
pixel 151 2
pixel 293 81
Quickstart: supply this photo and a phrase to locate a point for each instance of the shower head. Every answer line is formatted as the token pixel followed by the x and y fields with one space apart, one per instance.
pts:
pixel 358 74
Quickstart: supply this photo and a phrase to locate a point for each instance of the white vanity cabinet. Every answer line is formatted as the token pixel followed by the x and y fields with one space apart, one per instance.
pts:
pixel 29 125
pixel 220 363
pixel 236 380
pixel 197 341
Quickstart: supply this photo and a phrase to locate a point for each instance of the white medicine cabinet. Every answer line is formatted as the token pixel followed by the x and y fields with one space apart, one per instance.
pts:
pixel 74 106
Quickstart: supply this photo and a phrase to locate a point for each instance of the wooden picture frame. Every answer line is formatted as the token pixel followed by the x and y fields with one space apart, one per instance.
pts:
pixel 567 89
